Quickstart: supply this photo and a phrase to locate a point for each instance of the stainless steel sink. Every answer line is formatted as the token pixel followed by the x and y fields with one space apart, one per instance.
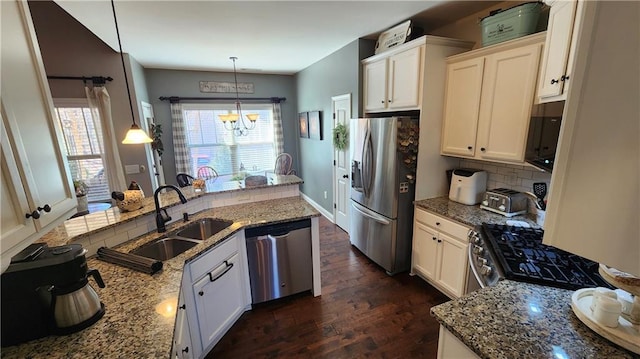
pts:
pixel 203 228
pixel 165 248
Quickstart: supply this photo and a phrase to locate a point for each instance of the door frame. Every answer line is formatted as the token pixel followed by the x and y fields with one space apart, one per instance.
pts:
pixel 334 99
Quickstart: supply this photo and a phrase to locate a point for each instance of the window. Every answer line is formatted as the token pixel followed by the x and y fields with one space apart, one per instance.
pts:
pixel 210 144
pixel 83 141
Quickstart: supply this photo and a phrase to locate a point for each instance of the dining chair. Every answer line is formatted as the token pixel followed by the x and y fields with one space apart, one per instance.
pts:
pixel 207 173
pixel 184 179
pixel 283 164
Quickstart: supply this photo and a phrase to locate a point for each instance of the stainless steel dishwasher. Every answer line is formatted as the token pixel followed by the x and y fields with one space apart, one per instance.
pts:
pixel 279 258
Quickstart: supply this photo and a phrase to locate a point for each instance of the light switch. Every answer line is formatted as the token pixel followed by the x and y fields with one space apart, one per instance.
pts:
pixel 131 169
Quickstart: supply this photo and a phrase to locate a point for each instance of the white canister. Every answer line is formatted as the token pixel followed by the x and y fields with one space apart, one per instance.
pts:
pixel 607 311
pixel 602 292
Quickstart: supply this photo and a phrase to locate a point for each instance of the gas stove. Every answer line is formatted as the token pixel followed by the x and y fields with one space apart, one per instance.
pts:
pixel 517 253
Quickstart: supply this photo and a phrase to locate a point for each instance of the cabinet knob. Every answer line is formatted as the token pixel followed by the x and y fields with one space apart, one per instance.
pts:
pixel 345 176
pixel 433 238
pixel 564 78
pixel 437 223
pixel 185 350
pixel 46 208
pixel 201 293
pixel 439 240
pixel 482 149
pixel 34 214
pixel 382 101
pixel 184 306
pixel 554 81
pixel 469 147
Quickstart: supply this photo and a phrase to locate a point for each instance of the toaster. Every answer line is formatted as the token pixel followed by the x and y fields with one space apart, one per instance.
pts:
pixel 504 201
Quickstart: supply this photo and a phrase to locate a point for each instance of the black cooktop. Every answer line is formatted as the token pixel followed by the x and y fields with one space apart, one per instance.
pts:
pixel 523 257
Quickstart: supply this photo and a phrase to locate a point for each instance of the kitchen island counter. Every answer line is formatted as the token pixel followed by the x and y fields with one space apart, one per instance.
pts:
pixel 521 320
pixel 140 308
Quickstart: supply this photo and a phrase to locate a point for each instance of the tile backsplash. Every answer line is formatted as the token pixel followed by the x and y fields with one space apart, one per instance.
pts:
pixel 516 177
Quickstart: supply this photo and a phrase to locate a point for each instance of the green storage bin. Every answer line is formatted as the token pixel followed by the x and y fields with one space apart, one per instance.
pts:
pixel 503 25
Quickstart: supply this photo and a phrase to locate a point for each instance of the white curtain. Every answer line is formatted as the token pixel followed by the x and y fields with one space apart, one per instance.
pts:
pixel 180 150
pixel 100 104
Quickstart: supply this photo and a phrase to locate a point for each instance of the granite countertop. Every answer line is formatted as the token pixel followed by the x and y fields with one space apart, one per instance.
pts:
pixel 79 227
pixel 469 215
pixel 521 320
pixel 140 309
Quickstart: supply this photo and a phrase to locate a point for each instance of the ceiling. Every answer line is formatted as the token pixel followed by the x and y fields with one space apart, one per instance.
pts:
pixel 276 37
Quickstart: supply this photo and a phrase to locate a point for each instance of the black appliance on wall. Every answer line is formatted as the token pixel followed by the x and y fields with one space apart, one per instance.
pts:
pixel 45 290
pixel 544 132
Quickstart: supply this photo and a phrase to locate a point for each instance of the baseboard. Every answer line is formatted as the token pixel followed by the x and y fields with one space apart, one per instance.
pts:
pixel 318 207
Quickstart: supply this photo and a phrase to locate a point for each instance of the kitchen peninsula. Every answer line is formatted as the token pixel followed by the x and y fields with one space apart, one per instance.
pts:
pixel 141 309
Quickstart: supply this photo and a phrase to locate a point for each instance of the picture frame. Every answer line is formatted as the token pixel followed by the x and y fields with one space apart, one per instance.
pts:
pixel 315 125
pixel 303 118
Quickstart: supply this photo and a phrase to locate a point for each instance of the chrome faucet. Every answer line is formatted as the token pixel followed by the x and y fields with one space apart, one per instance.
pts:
pixel 162 218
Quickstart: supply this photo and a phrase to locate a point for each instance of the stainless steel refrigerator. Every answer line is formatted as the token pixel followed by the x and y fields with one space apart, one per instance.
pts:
pixel 383 162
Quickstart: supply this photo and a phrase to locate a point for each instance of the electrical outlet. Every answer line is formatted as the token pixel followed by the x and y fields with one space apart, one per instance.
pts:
pixel 325 194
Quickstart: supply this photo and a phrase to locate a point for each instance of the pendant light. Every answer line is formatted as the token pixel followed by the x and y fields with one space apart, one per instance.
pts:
pixel 234 121
pixel 135 134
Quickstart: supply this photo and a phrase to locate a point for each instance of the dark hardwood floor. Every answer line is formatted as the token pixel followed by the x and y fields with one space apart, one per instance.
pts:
pixel 362 313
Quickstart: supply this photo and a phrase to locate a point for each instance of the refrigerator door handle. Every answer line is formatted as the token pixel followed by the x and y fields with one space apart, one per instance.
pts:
pixel 367 163
pixel 365 212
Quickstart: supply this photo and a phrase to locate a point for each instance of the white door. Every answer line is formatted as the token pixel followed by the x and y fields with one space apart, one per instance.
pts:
pixel 153 159
pixel 341 183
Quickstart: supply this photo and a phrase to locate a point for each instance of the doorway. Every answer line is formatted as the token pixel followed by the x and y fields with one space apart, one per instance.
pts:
pixel 341 106
pixel 153 158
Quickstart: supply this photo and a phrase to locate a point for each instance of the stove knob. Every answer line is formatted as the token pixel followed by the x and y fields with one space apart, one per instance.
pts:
pixel 477 240
pixel 502 207
pixel 478 250
pixel 485 203
pixel 482 261
pixel 485 270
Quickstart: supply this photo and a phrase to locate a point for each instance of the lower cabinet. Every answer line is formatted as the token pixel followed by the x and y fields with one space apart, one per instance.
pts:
pixel 451 347
pixel 182 348
pixel 216 293
pixel 439 253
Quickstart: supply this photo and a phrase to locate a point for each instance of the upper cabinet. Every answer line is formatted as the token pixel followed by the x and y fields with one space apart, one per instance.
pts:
pixel 392 81
pixel 556 66
pixel 36 186
pixel 489 97
pixel 594 197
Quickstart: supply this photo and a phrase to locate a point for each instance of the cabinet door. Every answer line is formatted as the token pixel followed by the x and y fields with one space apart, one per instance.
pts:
pixel 556 51
pixel 404 81
pixel 29 122
pixel 453 264
pixel 14 226
pixel 462 104
pixel 425 247
pixel 375 86
pixel 505 108
pixel 182 338
pixel 219 301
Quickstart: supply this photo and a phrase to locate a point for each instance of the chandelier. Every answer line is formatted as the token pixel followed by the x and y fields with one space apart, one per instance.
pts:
pixel 234 121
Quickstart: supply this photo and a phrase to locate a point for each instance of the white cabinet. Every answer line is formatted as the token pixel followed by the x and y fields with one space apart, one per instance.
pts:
pixel 216 293
pixel 599 145
pixel 182 348
pixel 450 347
pixel 556 65
pixel 36 185
pixel 393 81
pixel 439 253
pixel 489 97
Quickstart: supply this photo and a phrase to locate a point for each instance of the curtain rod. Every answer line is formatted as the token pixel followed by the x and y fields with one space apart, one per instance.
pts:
pixel 175 99
pixel 94 79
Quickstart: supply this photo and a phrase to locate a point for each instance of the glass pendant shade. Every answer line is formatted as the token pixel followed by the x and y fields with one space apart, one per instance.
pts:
pixel 135 135
pixel 234 121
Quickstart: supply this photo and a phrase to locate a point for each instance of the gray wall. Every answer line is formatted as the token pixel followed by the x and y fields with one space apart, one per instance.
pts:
pixel 186 84
pixel 336 74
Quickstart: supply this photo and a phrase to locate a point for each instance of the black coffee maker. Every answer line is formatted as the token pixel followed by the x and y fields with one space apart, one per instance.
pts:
pixel 46 291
